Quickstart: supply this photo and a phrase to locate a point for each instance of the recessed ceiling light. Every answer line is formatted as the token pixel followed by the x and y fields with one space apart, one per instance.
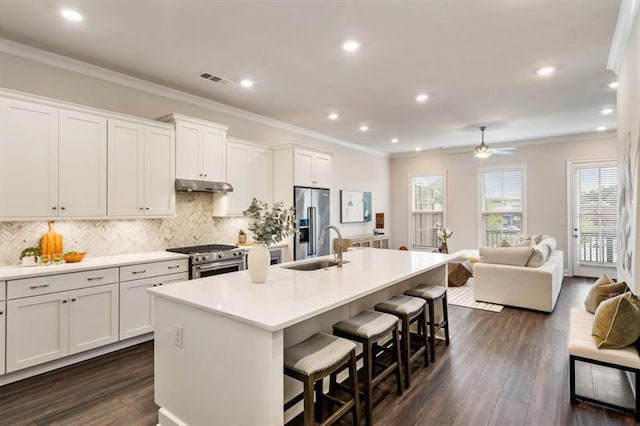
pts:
pixel 422 97
pixel 418 149
pixel 71 15
pixel 601 128
pixel 364 128
pixel 546 70
pixel 607 111
pixel 246 83
pixel 333 116
pixel 613 85
pixel 394 140
pixel 350 46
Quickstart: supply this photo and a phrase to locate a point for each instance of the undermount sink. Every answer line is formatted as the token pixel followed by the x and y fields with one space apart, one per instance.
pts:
pixel 313 266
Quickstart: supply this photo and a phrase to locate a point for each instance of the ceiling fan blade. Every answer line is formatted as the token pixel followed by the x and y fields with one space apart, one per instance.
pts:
pixel 499 151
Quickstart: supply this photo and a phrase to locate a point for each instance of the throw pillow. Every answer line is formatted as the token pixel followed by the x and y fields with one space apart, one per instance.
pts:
pixel 539 256
pixel 535 239
pixel 603 289
pixel 523 243
pixel 551 242
pixel 516 256
pixel 616 323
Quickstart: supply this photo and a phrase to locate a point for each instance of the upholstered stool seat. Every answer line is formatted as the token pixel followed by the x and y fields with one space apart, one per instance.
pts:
pixel 369 328
pixel 312 360
pixel 432 294
pixel 409 310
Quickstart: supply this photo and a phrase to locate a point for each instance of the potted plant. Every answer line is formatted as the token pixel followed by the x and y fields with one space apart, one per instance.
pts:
pixel 29 256
pixel 443 236
pixel 242 236
pixel 268 225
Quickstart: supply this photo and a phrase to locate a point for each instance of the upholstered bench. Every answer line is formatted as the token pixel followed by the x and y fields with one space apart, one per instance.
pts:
pixel 581 347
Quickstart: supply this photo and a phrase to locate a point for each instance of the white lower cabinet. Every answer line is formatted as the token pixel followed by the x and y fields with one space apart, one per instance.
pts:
pixel 136 306
pixel 3 318
pixel 93 317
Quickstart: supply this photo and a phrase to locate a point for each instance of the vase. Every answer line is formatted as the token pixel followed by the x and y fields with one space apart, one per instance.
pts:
pixel 444 248
pixel 259 262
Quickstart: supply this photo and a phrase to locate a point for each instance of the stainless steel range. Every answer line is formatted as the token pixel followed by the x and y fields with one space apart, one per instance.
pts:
pixel 213 259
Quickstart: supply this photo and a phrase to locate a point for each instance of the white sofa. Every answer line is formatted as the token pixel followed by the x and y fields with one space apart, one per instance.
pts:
pixel 521 286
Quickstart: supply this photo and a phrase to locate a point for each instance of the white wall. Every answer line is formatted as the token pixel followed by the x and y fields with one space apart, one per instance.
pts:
pixel 546 186
pixel 352 169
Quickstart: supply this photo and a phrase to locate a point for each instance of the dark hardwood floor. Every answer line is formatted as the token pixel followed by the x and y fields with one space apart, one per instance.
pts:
pixel 508 368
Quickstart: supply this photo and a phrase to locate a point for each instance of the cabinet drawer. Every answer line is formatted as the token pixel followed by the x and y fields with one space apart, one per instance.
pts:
pixel 2 290
pixel 155 269
pixel 61 282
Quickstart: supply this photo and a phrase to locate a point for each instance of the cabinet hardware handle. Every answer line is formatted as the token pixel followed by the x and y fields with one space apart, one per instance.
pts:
pixel 147 208
pixel 200 174
pixel 1 312
pixel 205 175
pixel 141 208
pixel 139 272
pixel 54 208
pixel 73 300
pixel 94 278
pixel 33 287
pixel 62 208
pixel 64 301
pixel 173 267
pixel 153 285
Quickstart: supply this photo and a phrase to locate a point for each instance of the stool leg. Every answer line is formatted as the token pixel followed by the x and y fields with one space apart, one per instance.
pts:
pixel 355 392
pixel 406 346
pixel 332 388
pixel 318 404
pixel 367 348
pixel 396 344
pixel 445 314
pixel 308 402
pixel 422 325
pixel 432 330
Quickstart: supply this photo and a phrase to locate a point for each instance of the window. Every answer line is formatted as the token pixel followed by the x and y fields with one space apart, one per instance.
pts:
pixel 427 209
pixel 503 204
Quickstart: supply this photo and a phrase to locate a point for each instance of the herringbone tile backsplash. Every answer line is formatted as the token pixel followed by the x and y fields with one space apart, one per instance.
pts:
pixel 192 225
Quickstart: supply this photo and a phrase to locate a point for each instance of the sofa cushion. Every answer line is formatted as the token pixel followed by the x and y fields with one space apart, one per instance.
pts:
pixel 539 255
pixel 516 256
pixel 603 289
pixel 551 242
pixel 616 323
pixel 513 243
pixel 535 239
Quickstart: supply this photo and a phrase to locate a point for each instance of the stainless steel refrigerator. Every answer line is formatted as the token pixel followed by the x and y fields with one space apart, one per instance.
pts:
pixel 312 214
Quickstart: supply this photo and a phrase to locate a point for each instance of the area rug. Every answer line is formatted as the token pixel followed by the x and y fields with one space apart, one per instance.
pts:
pixel 463 296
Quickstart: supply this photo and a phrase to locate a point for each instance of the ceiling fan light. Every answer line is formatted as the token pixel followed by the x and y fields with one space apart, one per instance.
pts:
pixel 482 154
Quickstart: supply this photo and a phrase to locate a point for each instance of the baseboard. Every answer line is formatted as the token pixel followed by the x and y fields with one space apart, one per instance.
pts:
pixel 72 359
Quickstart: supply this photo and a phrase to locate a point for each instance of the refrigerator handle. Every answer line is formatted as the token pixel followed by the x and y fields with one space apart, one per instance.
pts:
pixel 310 230
pixel 314 231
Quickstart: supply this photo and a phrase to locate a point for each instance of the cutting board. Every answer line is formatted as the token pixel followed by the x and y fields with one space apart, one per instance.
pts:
pixel 51 242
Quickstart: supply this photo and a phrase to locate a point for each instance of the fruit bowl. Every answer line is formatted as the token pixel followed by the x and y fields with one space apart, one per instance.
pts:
pixel 74 257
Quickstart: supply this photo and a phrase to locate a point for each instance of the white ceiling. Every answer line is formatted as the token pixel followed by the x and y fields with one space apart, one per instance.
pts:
pixel 475 58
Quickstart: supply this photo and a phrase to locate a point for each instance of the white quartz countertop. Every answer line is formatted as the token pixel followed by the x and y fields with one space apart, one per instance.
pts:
pixel 290 296
pixel 18 271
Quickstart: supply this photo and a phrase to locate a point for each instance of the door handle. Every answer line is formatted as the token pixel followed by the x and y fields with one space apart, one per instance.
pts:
pixel 310 231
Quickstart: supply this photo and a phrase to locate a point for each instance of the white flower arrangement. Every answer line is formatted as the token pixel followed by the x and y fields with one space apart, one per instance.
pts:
pixel 444 234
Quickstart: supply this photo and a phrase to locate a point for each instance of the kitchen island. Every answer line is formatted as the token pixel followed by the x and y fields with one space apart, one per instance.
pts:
pixel 219 341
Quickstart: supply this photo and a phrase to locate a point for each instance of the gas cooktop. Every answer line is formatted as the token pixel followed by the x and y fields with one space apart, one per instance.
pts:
pixel 208 248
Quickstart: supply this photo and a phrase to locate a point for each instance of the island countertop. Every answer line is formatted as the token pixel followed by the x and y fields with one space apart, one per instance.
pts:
pixel 289 296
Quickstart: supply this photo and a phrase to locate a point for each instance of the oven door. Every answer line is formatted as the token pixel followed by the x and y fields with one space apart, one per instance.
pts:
pixel 211 269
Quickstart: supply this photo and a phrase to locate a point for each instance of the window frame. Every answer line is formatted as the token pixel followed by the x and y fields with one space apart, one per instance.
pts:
pixel 412 212
pixel 481 213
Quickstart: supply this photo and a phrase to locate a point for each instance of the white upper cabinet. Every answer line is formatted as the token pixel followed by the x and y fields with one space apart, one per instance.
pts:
pixel 200 148
pixel 28 159
pixel 141 171
pixel 312 169
pixel 262 174
pixel 82 165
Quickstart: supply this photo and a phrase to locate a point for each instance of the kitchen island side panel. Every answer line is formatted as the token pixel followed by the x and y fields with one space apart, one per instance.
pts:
pixel 225 372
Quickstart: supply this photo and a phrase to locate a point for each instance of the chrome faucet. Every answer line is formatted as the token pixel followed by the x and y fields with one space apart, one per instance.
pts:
pixel 338 255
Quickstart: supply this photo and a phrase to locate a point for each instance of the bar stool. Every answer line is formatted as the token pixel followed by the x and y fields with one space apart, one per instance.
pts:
pixel 409 310
pixel 433 293
pixel 369 328
pixel 312 360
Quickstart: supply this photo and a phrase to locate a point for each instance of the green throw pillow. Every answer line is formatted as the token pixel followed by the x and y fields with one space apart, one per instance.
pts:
pixel 616 323
pixel 604 288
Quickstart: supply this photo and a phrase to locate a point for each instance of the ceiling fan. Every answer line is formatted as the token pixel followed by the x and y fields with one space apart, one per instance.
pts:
pixel 484 151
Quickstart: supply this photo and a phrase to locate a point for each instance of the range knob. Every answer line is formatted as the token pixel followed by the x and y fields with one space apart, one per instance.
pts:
pixel 198 258
pixel 221 256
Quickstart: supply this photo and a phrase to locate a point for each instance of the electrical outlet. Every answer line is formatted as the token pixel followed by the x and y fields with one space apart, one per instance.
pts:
pixel 177 340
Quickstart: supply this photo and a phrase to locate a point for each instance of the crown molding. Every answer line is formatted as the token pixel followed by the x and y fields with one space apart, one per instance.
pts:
pixel 609 135
pixel 627 17
pixel 53 59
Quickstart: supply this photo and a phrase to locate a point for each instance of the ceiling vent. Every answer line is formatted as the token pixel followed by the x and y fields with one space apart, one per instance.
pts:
pixel 215 78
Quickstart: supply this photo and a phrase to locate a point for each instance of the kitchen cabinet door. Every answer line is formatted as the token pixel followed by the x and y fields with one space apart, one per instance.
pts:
pixel 135 307
pixel 37 330
pixel 125 171
pixel 321 170
pixel 239 176
pixel 303 168
pixel 93 317
pixel 213 154
pixel 159 172
pixel 82 165
pixel 262 174
pixel 28 159
pixel 188 157
pixel 3 318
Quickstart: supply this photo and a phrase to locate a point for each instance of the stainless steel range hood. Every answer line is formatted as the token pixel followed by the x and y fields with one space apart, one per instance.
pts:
pixel 191 185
